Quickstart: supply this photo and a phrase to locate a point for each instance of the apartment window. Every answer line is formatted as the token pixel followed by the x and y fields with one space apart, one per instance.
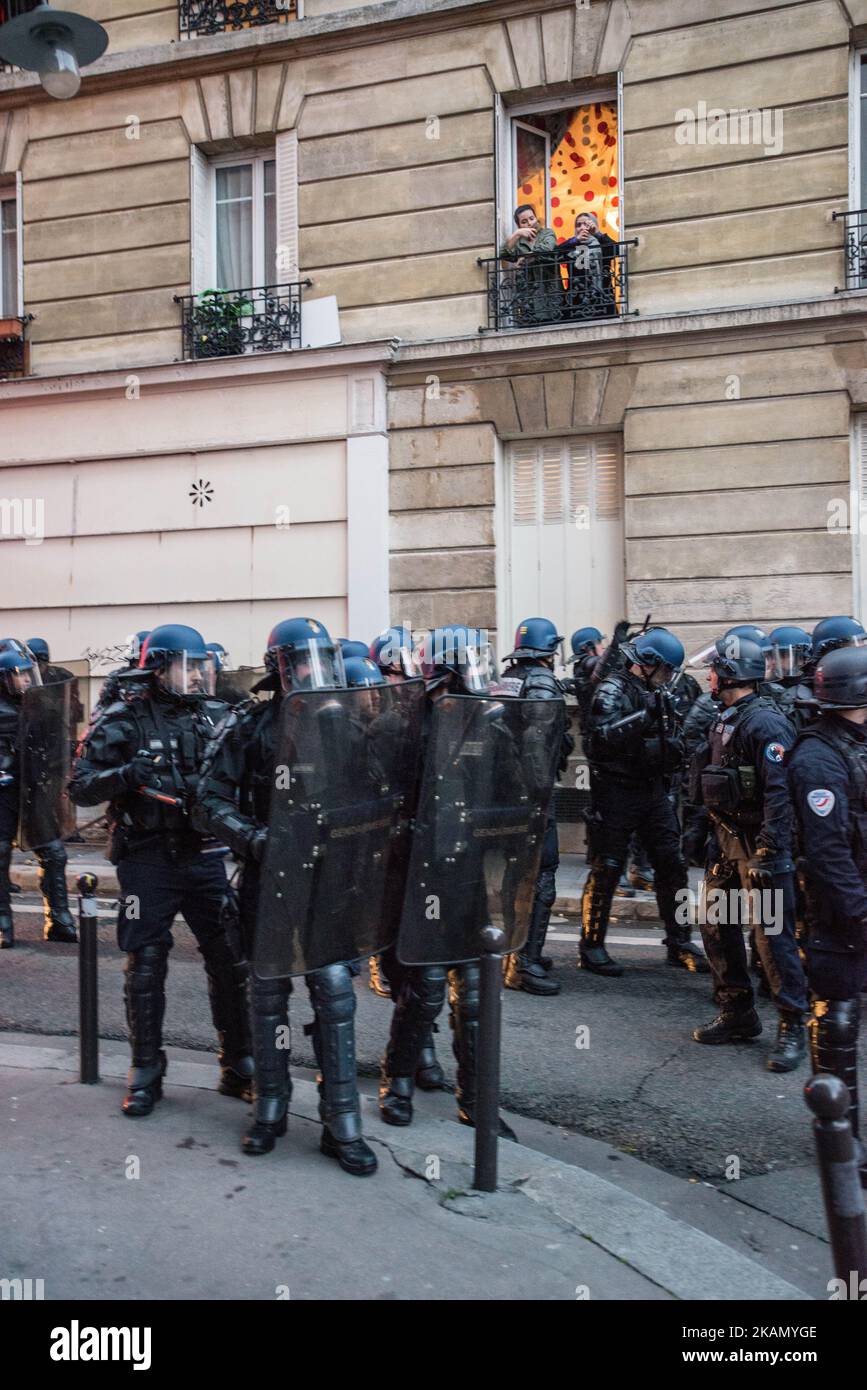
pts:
pixel 10 264
pixel 245 222
pixel 563 160
pixel 565 550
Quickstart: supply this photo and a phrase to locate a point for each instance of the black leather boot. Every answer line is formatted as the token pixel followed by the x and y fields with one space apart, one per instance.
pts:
pixel 227 989
pixel 833 1030
pixel 270 1022
pixel 464 983
pixel 429 1075
pixel 145 999
pixel 59 924
pixel 791 1045
pixel 420 998
pixel 595 908
pixel 333 1034
pixel 682 951
pixel 524 969
pixel 7 929
pixel 730 1025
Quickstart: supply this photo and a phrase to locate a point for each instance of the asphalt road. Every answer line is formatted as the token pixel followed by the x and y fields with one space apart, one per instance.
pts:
pixel 640 1084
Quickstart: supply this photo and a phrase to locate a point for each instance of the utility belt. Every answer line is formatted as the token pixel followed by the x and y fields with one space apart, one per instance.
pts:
pixel 178 846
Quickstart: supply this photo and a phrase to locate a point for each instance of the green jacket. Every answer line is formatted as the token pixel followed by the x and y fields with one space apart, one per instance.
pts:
pixel 545 244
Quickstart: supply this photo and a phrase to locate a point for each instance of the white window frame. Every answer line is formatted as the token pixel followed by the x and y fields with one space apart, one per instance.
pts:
pixel 858 514
pixel 506 171
pixel 12 194
pixel 257 159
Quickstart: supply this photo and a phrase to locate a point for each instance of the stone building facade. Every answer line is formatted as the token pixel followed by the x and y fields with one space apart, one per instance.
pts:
pixel 420 449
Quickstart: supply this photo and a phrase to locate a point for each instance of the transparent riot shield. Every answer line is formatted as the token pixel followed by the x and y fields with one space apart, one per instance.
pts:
pixel 236 686
pixel 488 777
pixel 45 748
pixel 334 870
pixel 80 702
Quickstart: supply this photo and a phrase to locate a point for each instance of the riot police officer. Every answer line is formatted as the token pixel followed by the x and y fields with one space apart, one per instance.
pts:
pixel 18 672
pixel 454 659
pixel 529 674
pixel 587 645
pixel 143 757
pixel 234 801
pixel 396 656
pixel 786 657
pixel 350 648
pixel 742 785
pixel 634 747
pixel 827 773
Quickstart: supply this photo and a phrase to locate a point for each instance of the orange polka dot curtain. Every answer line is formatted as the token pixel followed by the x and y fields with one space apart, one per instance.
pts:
pixel 582 174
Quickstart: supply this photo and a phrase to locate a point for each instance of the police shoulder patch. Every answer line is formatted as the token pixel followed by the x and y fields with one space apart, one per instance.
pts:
pixel 775 752
pixel 821 801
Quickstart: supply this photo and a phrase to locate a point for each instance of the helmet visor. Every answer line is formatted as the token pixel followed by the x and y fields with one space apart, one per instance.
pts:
pixel 23 678
pixel 477 668
pixel 187 675
pixel 310 666
pixel 703 658
pixel 785 661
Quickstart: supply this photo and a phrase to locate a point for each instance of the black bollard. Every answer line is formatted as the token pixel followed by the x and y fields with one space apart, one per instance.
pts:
pixel 88 1009
pixel 488 1071
pixel 828 1098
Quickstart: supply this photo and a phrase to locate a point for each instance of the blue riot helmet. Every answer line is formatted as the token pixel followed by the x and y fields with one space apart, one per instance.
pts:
pixel 535 637
pixel 38 648
pixel 222 660
pixel 18 668
pixel 832 633
pixel 789 649
pixel 737 660
pixel 457 651
pixel 395 653
pixel 656 651
pixel 302 655
pixel 750 631
pixel 733 635
pixel 362 671
pixel 181 663
pixel 840 681
pixel 350 648
pixel 584 640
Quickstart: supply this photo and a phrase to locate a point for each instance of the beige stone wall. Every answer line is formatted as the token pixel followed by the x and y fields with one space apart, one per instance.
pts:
pixel 735 451
pixel 395 206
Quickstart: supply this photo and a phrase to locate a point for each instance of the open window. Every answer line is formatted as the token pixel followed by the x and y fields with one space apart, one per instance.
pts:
pixel 561 253
pixel 855 220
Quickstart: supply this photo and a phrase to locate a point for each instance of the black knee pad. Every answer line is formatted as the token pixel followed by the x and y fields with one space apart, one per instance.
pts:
pixel 427 989
pixel 146 966
pixel 270 996
pixel 332 994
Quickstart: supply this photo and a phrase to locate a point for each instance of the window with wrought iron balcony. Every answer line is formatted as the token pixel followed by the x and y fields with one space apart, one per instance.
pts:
pixel 14 349
pixel 197 18
pixel 854 249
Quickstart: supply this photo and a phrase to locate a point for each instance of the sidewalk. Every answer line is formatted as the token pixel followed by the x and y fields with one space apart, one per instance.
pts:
pixel 102 1207
pixel 570 881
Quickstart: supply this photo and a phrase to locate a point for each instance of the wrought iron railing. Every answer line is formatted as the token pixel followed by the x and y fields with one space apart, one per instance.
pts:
pixel 854 249
pixel 226 323
pixel 561 288
pixel 199 17
pixel 14 356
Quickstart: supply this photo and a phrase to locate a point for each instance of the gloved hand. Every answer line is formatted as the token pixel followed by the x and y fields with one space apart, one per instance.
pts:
pixel 767 866
pixel 621 630
pixel 143 770
pixel 256 844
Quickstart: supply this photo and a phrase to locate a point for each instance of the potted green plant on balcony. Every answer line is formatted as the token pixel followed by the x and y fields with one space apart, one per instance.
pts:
pixel 216 328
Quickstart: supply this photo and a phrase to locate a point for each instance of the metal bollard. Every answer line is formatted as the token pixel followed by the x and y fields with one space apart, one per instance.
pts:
pixel 488 1072
pixel 88 1001
pixel 828 1098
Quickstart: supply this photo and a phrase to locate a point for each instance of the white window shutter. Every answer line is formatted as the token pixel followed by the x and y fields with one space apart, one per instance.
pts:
pixel 580 474
pixel 523 486
pixel 19 237
pixel 552 485
pixel 201 223
pixel 502 158
pixel 607 478
pixel 287 206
